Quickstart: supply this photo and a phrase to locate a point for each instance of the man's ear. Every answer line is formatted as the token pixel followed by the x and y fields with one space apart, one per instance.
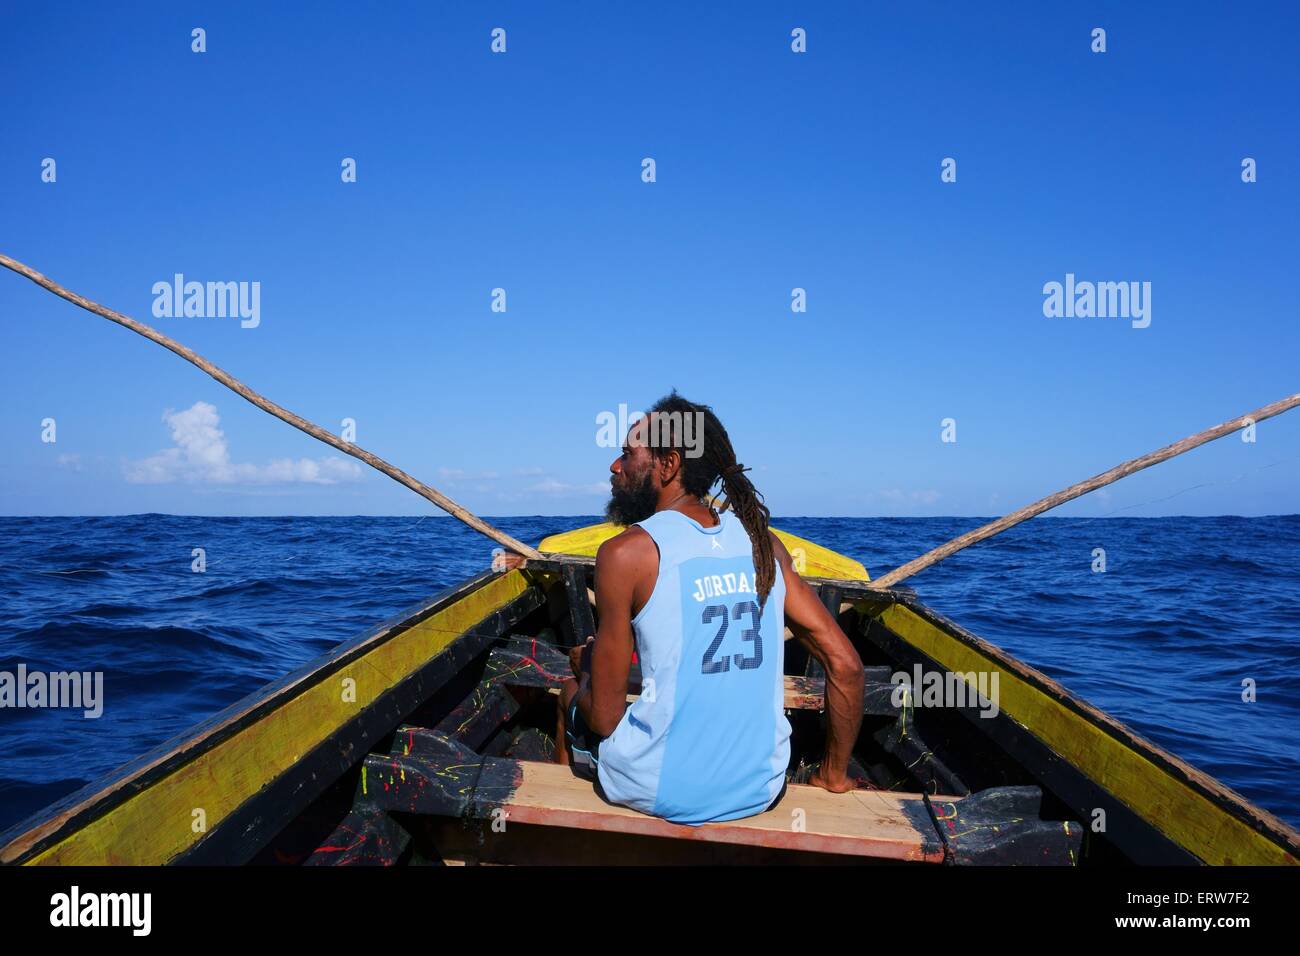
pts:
pixel 670 466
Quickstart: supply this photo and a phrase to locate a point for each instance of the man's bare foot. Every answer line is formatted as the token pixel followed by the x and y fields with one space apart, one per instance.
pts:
pixel 835 784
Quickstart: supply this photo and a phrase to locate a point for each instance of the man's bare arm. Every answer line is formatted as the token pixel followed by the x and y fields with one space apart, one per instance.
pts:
pixel 821 634
pixel 621 563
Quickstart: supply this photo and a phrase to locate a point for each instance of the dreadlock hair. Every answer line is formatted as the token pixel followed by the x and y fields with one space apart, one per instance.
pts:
pixel 717 461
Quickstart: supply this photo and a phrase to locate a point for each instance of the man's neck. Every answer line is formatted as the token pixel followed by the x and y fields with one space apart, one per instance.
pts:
pixel 688 505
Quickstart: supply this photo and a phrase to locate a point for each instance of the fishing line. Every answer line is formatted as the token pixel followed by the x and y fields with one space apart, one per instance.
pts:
pixel 1204 484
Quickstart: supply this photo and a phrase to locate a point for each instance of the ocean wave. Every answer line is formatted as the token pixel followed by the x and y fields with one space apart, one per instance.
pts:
pixel 61 639
pixel 1186 608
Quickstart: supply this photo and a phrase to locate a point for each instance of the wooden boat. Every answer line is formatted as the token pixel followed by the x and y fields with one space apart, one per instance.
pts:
pixel 431 740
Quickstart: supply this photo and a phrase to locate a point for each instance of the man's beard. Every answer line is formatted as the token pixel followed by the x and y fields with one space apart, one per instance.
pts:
pixel 635 502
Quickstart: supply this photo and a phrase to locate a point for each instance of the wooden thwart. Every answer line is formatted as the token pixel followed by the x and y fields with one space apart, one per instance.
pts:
pixel 429 773
pixel 868 823
pixel 809 693
pixel 529 662
pixel 440 777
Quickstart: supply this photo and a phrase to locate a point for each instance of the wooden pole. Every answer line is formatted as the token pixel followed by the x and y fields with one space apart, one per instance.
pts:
pixel 1082 488
pixel 239 388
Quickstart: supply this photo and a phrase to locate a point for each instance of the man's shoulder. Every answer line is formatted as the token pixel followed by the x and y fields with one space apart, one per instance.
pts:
pixel 627 560
pixel 629 546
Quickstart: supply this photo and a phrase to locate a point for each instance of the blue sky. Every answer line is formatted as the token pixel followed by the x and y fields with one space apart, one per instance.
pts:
pixel 775 170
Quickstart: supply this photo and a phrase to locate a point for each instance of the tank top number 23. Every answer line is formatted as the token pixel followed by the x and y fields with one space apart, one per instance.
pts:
pixel 721 665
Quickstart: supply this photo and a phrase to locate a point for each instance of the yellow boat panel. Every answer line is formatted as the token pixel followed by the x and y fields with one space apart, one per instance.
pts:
pixel 174 812
pixel 816 561
pixel 1184 814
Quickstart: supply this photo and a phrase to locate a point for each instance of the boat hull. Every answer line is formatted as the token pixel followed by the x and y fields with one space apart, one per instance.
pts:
pixel 254 782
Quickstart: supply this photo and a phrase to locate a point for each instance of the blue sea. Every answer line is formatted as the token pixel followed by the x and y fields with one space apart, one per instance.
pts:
pixel 1186 610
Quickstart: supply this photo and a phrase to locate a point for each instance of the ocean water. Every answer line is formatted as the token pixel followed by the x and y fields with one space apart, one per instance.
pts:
pixel 1186 609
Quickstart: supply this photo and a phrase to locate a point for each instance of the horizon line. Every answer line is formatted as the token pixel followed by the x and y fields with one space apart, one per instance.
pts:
pixel 598 518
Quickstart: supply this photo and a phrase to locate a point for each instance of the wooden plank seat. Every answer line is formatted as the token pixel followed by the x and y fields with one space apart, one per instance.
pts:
pixel 431 773
pixel 436 775
pixel 866 823
pixel 528 662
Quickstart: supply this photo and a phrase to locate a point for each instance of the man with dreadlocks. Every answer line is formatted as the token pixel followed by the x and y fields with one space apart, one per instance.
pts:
pixel 704 596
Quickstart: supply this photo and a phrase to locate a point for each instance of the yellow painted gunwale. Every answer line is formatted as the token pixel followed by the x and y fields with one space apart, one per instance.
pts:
pixel 817 561
pixel 158 823
pixel 1188 817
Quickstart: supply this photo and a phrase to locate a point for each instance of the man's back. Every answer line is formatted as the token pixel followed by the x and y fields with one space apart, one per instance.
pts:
pixel 708 738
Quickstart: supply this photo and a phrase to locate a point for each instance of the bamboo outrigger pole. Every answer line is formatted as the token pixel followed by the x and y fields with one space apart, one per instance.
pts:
pixel 1083 487
pixel 239 388
pixel 478 524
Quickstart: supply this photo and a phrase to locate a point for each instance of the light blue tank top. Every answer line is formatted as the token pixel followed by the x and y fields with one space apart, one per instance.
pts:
pixel 708 738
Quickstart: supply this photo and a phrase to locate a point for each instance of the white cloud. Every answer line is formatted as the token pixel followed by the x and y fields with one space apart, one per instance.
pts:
pixel 898 496
pixel 71 462
pixel 459 474
pixel 550 486
pixel 201 454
